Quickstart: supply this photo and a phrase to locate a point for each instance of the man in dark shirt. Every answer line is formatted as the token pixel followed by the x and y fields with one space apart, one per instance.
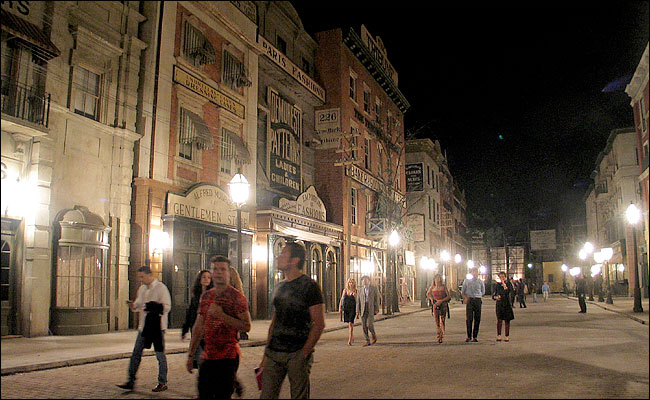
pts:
pixel 297 324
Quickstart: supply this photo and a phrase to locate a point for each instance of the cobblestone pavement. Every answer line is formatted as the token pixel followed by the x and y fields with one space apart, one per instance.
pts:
pixel 554 352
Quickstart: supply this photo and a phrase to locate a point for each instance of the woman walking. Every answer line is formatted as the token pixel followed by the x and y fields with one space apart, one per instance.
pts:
pixel 501 294
pixel 348 307
pixel 202 284
pixel 439 296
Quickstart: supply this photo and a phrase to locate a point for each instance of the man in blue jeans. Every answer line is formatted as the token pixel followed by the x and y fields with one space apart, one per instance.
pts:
pixel 152 294
pixel 473 290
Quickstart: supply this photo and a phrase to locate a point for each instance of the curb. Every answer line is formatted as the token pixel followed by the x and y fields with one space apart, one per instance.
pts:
pixel 632 317
pixel 148 353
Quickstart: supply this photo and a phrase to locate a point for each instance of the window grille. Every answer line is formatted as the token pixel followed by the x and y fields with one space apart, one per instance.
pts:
pixel 197 48
pixel 234 72
pixel 227 151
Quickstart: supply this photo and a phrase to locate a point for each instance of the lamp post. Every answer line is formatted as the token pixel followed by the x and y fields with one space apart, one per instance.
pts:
pixel 424 265
pixel 393 240
pixel 457 260
pixel 633 216
pixel 565 268
pixel 587 249
pixel 239 191
pixel 444 258
pixel 607 254
pixel 600 259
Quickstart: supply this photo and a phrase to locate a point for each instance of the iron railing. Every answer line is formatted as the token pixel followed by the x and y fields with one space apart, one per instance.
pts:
pixel 25 102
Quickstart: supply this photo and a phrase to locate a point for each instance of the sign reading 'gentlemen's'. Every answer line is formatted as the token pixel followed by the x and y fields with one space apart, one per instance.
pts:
pixel 205 202
pixel 283 143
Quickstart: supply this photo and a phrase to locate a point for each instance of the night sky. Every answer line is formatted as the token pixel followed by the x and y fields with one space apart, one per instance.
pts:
pixel 514 95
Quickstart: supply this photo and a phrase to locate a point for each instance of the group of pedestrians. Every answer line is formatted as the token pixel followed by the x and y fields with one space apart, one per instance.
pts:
pixel 362 304
pixel 218 314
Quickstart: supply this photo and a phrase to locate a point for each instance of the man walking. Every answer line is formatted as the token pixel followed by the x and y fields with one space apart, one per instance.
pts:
pixel 521 293
pixel 153 302
pixel 545 290
pixel 222 312
pixel 533 291
pixel 472 291
pixel 235 281
pixel 367 308
pixel 297 324
pixel 581 289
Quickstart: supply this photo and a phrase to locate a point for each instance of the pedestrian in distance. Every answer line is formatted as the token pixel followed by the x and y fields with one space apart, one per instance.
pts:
pixel 473 291
pixel 581 290
pixel 202 283
pixel 545 290
pixel 153 303
pixel 501 294
pixel 514 292
pixel 533 290
pixel 439 296
pixel 348 307
pixel 521 293
pixel 296 325
pixel 367 308
pixel 223 311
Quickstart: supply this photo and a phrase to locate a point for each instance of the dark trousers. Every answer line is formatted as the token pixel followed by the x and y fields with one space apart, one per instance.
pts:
pixel 522 300
pixel 583 304
pixel 473 315
pixel 217 378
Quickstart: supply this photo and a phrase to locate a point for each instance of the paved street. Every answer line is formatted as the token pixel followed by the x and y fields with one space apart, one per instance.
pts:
pixel 554 352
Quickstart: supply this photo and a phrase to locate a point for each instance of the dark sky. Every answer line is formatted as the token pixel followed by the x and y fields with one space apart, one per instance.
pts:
pixel 532 75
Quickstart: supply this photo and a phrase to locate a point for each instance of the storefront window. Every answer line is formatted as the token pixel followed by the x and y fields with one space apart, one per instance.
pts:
pixel 81 277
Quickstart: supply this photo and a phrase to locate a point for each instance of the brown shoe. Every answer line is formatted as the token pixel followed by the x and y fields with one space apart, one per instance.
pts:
pixel 374 340
pixel 367 344
pixel 159 388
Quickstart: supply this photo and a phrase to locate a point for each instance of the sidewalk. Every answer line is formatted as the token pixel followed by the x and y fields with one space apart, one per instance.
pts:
pixel 622 305
pixel 21 354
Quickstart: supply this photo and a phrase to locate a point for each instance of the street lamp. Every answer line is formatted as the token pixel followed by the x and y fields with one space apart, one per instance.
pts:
pixel 444 258
pixel 393 240
pixel 457 260
pixel 607 254
pixel 633 216
pixel 587 249
pixel 239 192
pixel 565 268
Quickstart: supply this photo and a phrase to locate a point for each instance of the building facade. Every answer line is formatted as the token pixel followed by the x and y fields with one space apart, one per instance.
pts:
pixel 360 152
pixel 198 118
pixel 613 189
pixel 288 205
pixel 70 73
pixel 637 89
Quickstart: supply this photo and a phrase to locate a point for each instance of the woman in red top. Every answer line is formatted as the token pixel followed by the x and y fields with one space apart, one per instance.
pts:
pixel 439 296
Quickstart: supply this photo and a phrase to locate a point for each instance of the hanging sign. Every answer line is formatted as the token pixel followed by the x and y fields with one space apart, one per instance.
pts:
pixel 284 139
pixel 308 204
pixel 414 177
pixel 328 128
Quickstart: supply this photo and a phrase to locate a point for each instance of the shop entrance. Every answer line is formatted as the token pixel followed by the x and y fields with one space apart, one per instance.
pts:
pixel 8 278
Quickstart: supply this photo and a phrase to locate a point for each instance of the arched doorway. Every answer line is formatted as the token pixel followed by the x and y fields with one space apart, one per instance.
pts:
pixel 329 280
pixel 315 264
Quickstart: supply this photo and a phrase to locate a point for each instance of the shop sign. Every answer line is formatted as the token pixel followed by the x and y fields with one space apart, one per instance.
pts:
pixel 284 139
pixel 414 177
pixel 217 97
pixel 328 128
pixel 378 52
pixel 308 204
pixel 205 202
pixel 371 182
pixel 289 67
pixel 542 240
pixel 415 222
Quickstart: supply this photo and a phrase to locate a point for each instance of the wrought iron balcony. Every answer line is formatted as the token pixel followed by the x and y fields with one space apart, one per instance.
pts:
pixel 25 102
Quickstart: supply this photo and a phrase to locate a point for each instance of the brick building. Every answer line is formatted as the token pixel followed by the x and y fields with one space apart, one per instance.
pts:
pixel 360 175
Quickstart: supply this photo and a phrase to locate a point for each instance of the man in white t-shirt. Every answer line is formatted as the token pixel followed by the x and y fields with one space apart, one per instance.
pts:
pixel 152 298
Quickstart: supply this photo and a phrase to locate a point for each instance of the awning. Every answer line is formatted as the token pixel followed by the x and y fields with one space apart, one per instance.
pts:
pixel 29 33
pixel 241 153
pixel 304 235
pixel 194 130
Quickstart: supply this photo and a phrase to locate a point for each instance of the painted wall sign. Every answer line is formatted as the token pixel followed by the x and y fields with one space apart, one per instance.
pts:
pixel 416 223
pixel 414 177
pixel 205 202
pixel 542 240
pixel 328 128
pixel 284 145
pixel 308 204
pixel 378 51
pixel 287 65
pixel 198 86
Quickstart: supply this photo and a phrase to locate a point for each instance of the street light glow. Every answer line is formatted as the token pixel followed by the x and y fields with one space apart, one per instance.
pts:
pixel 469 276
pixel 470 264
pixel 530 265
pixel 599 257
pixel 607 253
pixel 588 247
pixel 564 268
pixel 595 269
pixel 239 189
pixel 632 214
pixel 445 256
pixel 582 254
pixel 482 269
pixel 394 238
pixel 458 259
pixel 575 271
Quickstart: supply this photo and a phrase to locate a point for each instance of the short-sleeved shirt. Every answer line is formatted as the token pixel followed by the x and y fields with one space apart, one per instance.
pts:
pixel 291 301
pixel 220 338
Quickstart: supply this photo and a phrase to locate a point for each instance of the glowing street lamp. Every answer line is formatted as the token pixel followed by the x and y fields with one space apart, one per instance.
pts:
pixel 633 216
pixel 607 253
pixel 565 268
pixel 239 192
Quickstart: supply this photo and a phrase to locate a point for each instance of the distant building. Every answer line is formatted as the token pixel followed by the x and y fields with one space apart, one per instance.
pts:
pixel 637 89
pixel 614 187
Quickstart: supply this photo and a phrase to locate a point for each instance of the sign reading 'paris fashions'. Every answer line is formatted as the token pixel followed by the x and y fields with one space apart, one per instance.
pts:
pixel 283 144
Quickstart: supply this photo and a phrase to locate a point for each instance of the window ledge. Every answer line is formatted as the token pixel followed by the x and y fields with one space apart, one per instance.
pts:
pixel 188 163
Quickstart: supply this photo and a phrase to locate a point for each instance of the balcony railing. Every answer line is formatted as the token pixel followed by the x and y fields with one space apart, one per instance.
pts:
pixel 25 102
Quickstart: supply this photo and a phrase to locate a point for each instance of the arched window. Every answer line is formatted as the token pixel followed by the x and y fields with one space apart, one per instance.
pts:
pixel 81 260
pixel 316 258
